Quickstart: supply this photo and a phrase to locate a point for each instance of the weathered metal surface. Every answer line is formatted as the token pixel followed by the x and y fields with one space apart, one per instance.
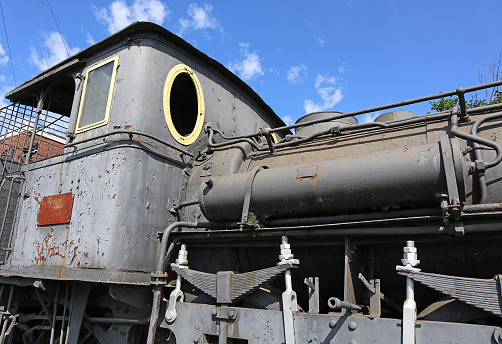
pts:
pixel 413 175
pixel 55 210
pixel 315 128
pixel 195 322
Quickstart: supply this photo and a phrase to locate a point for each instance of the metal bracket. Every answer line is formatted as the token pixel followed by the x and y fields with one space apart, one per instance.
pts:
pixel 373 287
pixel 449 169
pixel 313 284
pixel 225 313
pixel 176 296
pixel 289 305
pixel 247 197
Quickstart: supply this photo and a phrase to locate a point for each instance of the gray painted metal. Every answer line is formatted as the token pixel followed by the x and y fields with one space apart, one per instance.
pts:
pixel 309 130
pixel 364 181
pixel 196 321
pixel 398 115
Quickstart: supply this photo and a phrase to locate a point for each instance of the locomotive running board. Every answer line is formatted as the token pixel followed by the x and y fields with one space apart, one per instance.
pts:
pixel 480 293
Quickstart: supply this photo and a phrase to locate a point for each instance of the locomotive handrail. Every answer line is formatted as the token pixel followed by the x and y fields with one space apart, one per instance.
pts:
pixel 130 133
pixel 458 92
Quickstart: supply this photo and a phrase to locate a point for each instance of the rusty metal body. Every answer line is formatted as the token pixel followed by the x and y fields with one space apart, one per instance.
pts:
pixel 92 222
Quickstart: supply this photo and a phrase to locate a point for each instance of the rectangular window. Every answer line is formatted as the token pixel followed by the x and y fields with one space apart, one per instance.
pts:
pixel 97 95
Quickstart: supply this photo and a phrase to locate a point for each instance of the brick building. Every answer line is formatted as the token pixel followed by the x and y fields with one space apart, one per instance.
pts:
pixel 15 145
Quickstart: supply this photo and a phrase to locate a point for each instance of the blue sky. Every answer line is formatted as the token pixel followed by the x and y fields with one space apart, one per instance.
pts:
pixel 298 56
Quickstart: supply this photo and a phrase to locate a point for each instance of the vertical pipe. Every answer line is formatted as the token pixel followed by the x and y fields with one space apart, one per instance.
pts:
pixel 70 313
pixel 54 312
pixel 64 314
pixel 35 125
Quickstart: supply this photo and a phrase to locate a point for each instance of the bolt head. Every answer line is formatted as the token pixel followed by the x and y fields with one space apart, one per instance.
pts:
pixel 352 326
pixel 332 341
pixel 332 324
pixel 214 311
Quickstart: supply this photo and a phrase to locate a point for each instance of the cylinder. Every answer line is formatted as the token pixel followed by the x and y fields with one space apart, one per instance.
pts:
pixel 408 176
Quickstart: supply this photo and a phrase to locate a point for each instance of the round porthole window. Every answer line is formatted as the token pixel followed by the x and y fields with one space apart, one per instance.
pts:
pixel 183 104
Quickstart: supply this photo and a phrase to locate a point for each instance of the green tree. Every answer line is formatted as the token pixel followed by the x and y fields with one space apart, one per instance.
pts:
pixel 492 72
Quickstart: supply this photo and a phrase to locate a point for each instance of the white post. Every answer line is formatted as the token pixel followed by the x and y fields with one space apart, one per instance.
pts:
pixel 410 307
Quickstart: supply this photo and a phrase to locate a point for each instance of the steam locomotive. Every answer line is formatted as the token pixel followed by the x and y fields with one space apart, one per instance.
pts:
pixel 150 196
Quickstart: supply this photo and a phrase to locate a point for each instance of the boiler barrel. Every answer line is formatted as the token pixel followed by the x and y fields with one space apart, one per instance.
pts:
pixel 412 176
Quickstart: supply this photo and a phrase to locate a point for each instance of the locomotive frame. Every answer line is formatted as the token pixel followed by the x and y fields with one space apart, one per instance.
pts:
pixel 184 183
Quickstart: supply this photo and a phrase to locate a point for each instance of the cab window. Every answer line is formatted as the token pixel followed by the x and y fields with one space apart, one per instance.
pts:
pixel 97 95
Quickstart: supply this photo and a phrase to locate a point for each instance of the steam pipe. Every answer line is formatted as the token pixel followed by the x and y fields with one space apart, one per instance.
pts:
pixel 157 291
pixel 476 139
pixel 478 155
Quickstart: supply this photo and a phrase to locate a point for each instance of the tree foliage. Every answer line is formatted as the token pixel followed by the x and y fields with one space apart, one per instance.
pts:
pixel 491 72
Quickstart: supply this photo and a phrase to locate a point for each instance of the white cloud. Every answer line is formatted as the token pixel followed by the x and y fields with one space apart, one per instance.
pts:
pixel 288 120
pixel 4 89
pixel 3 56
pixel 200 18
pixel 342 69
pixel 368 117
pixel 119 14
pixel 296 74
pixel 89 39
pixel 320 41
pixel 55 50
pixel 250 67
pixel 330 94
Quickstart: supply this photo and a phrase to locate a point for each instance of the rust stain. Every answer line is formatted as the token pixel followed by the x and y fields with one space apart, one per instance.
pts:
pixel 37 197
pixel 55 209
pixel 60 272
pixel 74 255
pixel 405 151
pixel 45 250
pixel 128 127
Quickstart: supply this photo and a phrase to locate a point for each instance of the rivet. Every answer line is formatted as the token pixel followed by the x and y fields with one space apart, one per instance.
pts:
pixel 332 341
pixel 352 326
pixel 332 323
pixel 352 342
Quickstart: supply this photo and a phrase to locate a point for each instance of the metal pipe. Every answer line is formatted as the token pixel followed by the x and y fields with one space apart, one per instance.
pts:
pixel 185 204
pixel 461 100
pixel 40 106
pixel 454 130
pixel 64 313
pixel 157 292
pixel 478 155
pixel 54 313
pixel 353 219
pixel 44 306
pixel 70 312
pixel 130 133
pixel 482 208
pixel 336 303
